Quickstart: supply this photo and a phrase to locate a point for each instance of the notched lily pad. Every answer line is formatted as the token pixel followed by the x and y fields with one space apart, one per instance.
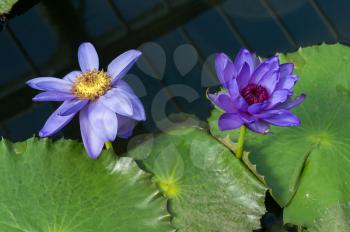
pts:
pixel 55 187
pixel 209 189
pixel 307 167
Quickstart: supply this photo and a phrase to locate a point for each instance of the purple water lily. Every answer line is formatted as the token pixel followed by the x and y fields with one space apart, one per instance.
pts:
pixel 106 104
pixel 258 93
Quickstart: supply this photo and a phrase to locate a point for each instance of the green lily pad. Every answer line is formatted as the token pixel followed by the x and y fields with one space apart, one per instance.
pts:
pixel 56 187
pixel 6 6
pixel 307 167
pixel 335 219
pixel 208 187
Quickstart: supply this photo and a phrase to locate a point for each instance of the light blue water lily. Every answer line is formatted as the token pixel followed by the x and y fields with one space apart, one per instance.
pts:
pixel 106 104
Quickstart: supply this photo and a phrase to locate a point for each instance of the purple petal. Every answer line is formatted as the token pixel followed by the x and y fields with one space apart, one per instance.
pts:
pixel 229 73
pixel 125 126
pixel 92 142
pixel 241 103
pixel 118 68
pixel 72 76
pixel 221 61
pixel 245 57
pixel 257 107
pixel 50 84
pixel 87 57
pixel 55 122
pixel 286 69
pixel 224 102
pixel 72 107
pixel 256 61
pixel 291 103
pixel 229 121
pixel 259 126
pixel 118 101
pixel 287 82
pixel 243 77
pixel 53 96
pixel 269 81
pixel 268 65
pixel 102 120
pixel 247 118
pixel 280 118
pixel 277 97
pixel 233 89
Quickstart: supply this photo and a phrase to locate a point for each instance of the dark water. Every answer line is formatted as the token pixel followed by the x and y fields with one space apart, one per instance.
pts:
pixel 178 39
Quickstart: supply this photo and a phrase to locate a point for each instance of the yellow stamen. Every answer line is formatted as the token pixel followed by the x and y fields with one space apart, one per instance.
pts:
pixel 91 85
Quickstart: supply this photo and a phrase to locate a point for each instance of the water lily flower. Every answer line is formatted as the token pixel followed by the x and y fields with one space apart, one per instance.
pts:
pixel 258 93
pixel 106 104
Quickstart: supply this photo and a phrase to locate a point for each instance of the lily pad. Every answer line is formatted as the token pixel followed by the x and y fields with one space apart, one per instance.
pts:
pixel 55 187
pixel 307 167
pixel 336 219
pixel 208 187
pixel 6 6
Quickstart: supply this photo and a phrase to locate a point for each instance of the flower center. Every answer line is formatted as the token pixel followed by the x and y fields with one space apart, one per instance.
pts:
pixel 254 93
pixel 91 85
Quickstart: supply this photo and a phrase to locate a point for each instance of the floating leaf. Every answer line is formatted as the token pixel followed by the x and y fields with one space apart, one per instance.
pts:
pixel 55 187
pixel 307 167
pixel 209 189
pixel 335 219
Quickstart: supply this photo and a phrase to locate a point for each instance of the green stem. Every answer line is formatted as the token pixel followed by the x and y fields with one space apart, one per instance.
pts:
pixel 240 145
pixel 108 145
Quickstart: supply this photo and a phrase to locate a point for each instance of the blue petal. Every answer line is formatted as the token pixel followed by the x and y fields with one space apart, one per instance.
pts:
pixel 87 57
pixel 72 107
pixel 92 142
pixel 125 126
pixel 103 121
pixel 118 101
pixel 53 96
pixel 50 84
pixel 229 121
pixel 138 109
pixel 119 67
pixel 72 76
pixel 55 122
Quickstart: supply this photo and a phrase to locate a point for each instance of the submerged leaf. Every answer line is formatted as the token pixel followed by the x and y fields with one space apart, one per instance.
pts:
pixel 6 5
